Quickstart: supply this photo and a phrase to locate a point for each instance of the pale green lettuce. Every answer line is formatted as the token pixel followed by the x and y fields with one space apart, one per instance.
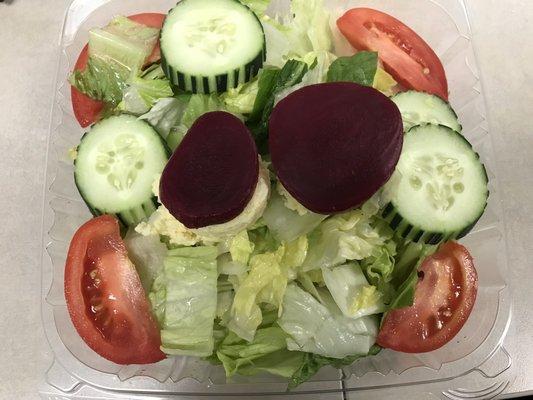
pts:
pixel 353 235
pixel 147 254
pixel 352 293
pixel 184 300
pixel 116 55
pixel 286 224
pixel 321 328
pixel 265 283
pixel 306 29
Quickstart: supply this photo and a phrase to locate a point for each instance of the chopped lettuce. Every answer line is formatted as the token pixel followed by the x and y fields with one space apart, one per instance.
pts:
pixel 379 268
pixel 116 55
pixel 241 248
pixel 184 300
pixel 351 291
pixel 319 63
pixel 359 68
pixel 266 282
pixel 312 363
pixel 286 224
pixel 322 329
pixel 306 29
pixel 143 92
pixel 101 80
pixel 241 100
pixel 405 275
pixel 123 41
pixel 166 113
pixel 147 254
pixel 290 202
pixel 266 353
pixel 353 235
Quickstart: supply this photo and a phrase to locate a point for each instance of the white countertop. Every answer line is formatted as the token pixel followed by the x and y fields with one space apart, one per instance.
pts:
pixel 29 33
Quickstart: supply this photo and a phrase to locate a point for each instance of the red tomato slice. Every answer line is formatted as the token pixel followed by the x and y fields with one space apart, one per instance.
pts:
pixel 444 297
pixel 87 110
pixel 405 55
pixel 105 298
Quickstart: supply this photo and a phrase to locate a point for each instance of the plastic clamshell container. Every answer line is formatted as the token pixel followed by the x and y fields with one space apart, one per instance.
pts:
pixel 78 372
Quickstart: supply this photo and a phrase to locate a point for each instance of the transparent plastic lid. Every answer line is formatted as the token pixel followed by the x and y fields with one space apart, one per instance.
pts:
pixel 80 373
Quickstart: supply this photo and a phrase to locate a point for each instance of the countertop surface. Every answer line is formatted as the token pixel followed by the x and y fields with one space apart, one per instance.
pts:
pixel 29 34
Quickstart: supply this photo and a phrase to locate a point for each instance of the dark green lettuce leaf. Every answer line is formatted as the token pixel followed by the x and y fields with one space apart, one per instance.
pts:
pixel 359 68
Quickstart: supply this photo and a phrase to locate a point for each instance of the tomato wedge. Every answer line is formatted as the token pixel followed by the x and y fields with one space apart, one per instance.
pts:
pixel 444 297
pixel 105 298
pixel 87 110
pixel 405 55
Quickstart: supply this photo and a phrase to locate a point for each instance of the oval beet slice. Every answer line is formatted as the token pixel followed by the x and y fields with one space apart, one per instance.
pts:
pixel 213 173
pixel 333 145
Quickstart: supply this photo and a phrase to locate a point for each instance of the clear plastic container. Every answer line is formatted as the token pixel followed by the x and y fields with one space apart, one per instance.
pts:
pixel 78 372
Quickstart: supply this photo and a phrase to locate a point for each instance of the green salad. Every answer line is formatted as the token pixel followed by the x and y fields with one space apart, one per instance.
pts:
pixel 233 222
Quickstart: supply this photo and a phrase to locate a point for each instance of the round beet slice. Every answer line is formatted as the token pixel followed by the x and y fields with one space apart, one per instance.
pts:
pixel 333 145
pixel 213 173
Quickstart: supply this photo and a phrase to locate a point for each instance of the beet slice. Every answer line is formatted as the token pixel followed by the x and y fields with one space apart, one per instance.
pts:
pixel 213 173
pixel 333 145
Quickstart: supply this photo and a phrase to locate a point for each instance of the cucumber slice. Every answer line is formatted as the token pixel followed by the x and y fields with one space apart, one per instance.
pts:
pixel 419 108
pixel 442 187
pixel 117 162
pixel 211 45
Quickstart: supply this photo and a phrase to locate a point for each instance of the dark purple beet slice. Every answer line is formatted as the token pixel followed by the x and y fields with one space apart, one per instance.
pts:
pixel 213 173
pixel 333 145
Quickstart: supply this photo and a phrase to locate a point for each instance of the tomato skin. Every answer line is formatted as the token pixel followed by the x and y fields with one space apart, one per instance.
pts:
pixel 87 110
pixel 444 297
pixel 405 55
pixel 105 298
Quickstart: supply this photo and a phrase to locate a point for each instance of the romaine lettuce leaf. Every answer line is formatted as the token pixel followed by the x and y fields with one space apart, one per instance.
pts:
pixel 306 29
pixel 353 235
pixel 123 41
pixel 116 55
pixel 322 329
pixel 405 275
pixel 319 63
pixel 351 291
pixel 312 363
pixel 265 282
pixel 143 92
pixel 285 224
pixel 167 113
pixel 241 248
pixel 359 68
pixel 184 300
pixel 147 254
pixel 101 80
pixel 241 100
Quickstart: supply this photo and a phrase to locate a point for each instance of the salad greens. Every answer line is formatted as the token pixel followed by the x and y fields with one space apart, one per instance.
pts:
pixel 116 54
pixel 360 68
pixel 295 291
pixel 184 300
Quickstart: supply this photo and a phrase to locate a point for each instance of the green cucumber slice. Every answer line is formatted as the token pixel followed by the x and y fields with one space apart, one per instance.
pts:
pixel 441 190
pixel 211 45
pixel 419 108
pixel 116 164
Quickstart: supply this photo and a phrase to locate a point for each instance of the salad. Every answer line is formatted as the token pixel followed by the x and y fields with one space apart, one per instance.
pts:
pixel 270 194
